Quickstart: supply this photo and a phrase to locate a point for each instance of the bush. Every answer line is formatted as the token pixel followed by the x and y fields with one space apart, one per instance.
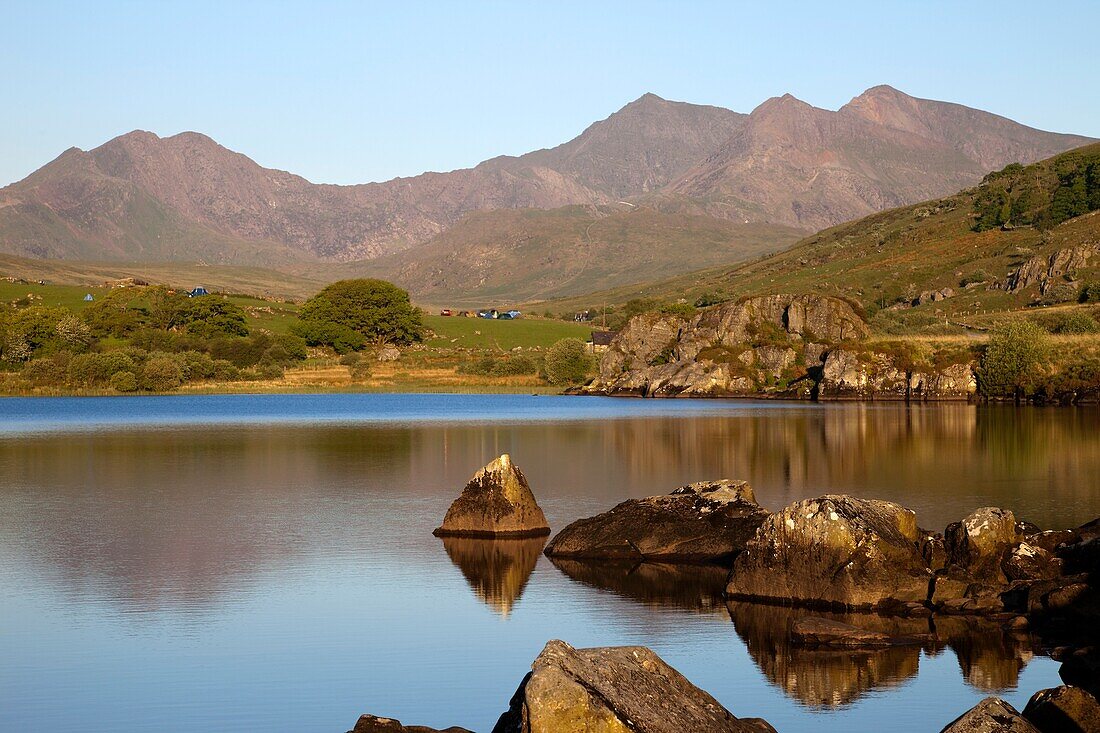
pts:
pixel 124 382
pixel 196 365
pixel 91 370
pixel 161 373
pixel 225 371
pixel 568 362
pixel 1012 363
pixel 1090 293
pixel 1073 323
pixel 50 370
pixel 74 333
pixel 491 366
pixel 348 314
pixel 209 317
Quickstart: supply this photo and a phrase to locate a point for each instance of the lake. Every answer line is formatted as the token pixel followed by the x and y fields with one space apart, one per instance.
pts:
pixel 237 562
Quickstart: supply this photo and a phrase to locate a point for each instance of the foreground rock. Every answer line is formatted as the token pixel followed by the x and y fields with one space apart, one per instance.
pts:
pixel 497 502
pixel 835 551
pixel 991 715
pixel 1063 710
pixel 819 632
pixel 613 690
pixel 374 724
pixel 703 522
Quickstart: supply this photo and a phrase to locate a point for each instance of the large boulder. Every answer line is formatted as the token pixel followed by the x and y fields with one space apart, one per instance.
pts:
pixel 1063 710
pixel 991 715
pixel 982 541
pixel 708 521
pixel 613 690
pixel 497 502
pixel 835 551
pixel 375 724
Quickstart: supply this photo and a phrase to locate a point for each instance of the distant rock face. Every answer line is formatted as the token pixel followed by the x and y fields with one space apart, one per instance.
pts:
pixel 713 354
pixel 497 502
pixel 1043 271
pixel 613 690
pixel 867 375
pixel 1063 710
pixel 708 521
pixel 991 715
pixel 834 551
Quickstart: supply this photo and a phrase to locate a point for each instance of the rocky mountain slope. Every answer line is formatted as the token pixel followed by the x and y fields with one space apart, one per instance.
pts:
pixel 184 197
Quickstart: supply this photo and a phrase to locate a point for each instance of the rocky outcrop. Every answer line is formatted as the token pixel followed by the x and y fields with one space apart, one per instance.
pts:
pixel 703 522
pixel 835 551
pixel 497 502
pixel 1063 710
pixel 849 374
pixel 613 690
pixel 374 724
pixel 1045 271
pixel 991 715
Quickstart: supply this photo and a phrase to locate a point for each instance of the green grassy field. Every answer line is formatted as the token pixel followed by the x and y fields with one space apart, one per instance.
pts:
pixel 482 333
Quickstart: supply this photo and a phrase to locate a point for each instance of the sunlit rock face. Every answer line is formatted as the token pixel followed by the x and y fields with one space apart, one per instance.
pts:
pixel 497 502
pixel 709 521
pixel 614 690
pixel 375 724
pixel 991 715
pixel 496 569
pixel 834 551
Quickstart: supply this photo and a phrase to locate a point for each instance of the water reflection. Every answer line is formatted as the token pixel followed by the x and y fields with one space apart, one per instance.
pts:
pixel 694 587
pixel 496 569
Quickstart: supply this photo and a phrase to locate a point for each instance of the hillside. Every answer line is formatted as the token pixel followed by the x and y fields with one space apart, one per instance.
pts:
pixel 505 256
pixel 886 261
pixel 140 197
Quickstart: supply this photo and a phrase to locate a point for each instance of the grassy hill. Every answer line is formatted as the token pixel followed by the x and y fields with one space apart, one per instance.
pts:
pixel 884 261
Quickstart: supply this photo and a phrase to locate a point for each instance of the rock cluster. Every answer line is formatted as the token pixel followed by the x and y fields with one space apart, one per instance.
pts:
pixel 497 502
pixel 703 522
pixel 848 374
pixel 1062 709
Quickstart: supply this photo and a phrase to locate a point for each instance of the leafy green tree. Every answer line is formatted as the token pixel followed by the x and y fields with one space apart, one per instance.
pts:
pixel 568 362
pixel 348 314
pixel 119 313
pixel 209 317
pixel 124 382
pixel 36 327
pixel 161 373
pixel 1013 360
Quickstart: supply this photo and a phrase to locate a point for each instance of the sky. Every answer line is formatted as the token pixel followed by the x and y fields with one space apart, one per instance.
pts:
pixel 350 92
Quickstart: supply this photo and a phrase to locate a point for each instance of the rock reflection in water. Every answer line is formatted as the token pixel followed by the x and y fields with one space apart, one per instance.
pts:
pixel 694 587
pixel 497 569
pixel 990 659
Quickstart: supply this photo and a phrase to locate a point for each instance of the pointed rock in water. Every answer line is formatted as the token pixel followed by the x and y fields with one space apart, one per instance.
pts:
pixel 614 690
pixel 834 551
pixel 496 503
pixel 709 521
pixel 991 715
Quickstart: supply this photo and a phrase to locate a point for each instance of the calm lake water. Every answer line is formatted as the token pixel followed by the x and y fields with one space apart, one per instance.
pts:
pixel 229 563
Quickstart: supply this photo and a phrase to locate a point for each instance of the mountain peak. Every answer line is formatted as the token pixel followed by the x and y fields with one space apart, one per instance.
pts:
pixel 786 103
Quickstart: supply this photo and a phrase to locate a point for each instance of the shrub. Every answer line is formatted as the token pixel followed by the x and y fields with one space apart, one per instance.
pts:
pixel 74 333
pixel 225 371
pixel 196 365
pixel 124 382
pixel 90 370
pixel 161 373
pixel 1074 323
pixel 1013 359
pixel 209 317
pixel 49 370
pixel 568 362
pixel 1090 293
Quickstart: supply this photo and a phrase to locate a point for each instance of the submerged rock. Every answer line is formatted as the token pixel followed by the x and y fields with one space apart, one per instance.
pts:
pixel 497 502
pixel 813 631
pixel 835 551
pixel 1063 710
pixel 709 521
pixel 991 715
pixel 613 690
pixel 374 724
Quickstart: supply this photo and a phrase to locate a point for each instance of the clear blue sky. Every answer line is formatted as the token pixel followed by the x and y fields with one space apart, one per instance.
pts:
pixel 348 92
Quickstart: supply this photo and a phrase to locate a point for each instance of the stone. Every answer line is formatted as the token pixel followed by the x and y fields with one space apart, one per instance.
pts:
pixel 389 353
pixel 834 551
pixel 613 690
pixel 848 375
pixel 709 521
pixel 1031 562
pixel 991 715
pixel 981 541
pixel 374 724
pixel 1063 710
pixel 813 631
pixel 497 502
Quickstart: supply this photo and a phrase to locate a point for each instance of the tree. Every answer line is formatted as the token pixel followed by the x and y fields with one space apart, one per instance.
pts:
pixel 350 313
pixel 209 317
pixel 1012 363
pixel 568 362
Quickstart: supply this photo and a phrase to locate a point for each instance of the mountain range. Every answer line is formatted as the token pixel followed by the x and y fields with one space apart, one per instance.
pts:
pixel 728 185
